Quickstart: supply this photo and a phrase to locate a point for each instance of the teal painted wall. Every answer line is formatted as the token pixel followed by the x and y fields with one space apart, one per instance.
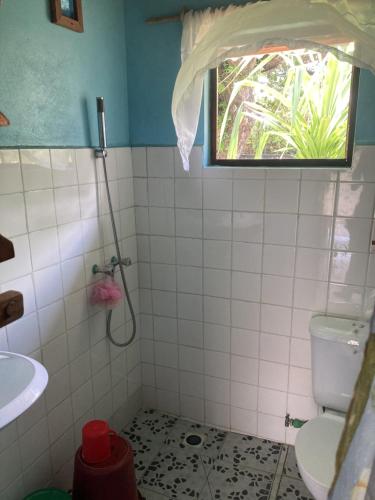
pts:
pixel 50 76
pixel 153 63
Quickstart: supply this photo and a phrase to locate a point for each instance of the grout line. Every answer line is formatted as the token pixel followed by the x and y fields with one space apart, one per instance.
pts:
pixel 279 472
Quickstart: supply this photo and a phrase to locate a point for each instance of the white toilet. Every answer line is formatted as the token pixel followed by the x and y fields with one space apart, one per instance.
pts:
pixel 337 346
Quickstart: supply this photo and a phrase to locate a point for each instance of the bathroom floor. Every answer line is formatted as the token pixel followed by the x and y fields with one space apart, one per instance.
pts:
pixel 225 466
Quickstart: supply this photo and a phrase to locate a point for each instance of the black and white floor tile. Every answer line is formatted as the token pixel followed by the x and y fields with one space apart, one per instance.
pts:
pixel 225 466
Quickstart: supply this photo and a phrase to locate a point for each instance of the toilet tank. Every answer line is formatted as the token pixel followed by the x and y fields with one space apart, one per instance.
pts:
pixel 337 346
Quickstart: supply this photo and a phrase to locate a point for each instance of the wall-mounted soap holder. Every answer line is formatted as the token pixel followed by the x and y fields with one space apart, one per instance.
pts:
pixel 11 302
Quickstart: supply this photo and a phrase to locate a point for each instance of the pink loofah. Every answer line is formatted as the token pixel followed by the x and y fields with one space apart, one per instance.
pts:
pixel 106 293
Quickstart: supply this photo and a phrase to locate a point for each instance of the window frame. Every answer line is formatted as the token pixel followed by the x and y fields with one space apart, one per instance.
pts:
pixel 282 163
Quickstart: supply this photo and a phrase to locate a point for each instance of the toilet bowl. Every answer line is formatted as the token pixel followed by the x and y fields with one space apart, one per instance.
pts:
pixel 316 446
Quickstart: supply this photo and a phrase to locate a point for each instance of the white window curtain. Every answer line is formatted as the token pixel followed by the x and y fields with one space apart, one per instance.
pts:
pixel 211 36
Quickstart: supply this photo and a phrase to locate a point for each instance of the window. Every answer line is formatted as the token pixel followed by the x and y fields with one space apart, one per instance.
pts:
pixel 286 108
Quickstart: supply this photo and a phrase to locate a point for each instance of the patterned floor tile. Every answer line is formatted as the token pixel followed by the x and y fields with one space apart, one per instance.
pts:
pixel 177 473
pixel 144 451
pixel 293 489
pixel 291 467
pixel 151 495
pixel 232 482
pixel 250 452
pixel 213 439
pixel 152 424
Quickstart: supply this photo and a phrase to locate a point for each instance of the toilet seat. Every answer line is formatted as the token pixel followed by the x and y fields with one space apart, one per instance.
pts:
pixel 316 446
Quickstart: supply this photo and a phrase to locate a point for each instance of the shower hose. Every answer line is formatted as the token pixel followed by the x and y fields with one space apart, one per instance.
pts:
pixel 121 265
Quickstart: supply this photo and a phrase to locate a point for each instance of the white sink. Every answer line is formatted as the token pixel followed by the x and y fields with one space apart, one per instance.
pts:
pixel 22 382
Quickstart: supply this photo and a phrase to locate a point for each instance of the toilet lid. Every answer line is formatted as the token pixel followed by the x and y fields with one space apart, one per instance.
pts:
pixel 316 446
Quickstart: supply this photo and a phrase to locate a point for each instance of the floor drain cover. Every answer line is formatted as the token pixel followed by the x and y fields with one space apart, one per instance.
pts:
pixel 193 440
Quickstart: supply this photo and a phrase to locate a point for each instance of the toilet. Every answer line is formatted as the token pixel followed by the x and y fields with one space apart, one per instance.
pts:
pixel 337 346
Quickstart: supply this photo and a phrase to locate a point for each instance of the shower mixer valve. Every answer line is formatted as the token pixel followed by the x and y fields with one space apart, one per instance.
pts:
pixel 109 269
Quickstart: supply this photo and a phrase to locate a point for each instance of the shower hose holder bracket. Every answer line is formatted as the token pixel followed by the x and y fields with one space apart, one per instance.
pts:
pixel 109 269
pixel 100 153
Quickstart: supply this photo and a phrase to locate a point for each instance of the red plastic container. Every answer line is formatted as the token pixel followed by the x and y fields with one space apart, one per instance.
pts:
pixel 96 443
pixel 110 479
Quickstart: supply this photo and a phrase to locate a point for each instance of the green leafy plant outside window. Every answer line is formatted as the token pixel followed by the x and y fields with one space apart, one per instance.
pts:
pixel 285 105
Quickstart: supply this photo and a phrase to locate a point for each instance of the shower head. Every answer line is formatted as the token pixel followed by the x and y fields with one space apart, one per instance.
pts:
pixel 101 123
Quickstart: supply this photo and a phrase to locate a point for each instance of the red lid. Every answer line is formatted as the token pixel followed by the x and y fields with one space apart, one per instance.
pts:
pixel 96 444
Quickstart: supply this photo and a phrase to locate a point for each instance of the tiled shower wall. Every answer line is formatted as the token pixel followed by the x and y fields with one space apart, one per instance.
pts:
pixel 53 208
pixel 233 264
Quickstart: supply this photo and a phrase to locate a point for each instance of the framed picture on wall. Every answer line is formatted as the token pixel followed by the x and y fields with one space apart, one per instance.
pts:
pixel 68 13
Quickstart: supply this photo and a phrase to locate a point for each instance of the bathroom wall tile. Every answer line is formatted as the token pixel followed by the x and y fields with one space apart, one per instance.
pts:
pixel 217 254
pixel 189 279
pixel 276 319
pixel 312 264
pixel 362 166
pixel 86 166
pixel 44 248
pixel 272 402
pixel 301 323
pixel 314 231
pixel 190 333
pixel 244 370
pixel 317 198
pixel 273 375
pixel 217 364
pixel 64 170
pixel 274 348
pixel 189 252
pixel 244 396
pixel 309 294
pixel 189 223
pixel 349 268
pixel 21 264
pixel 217 194
pixel 356 200
pixel 36 169
pixel 248 226
pixel 190 307
pixel 164 303
pixel 304 407
pixel 300 381
pixel 166 378
pixel 48 285
pixel 272 427
pixel 192 384
pixel 217 390
pixel 216 310
pixel 163 250
pixel 67 204
pixel 277 290
pixel 161 192
pixel 278 260
pixel 166 354
pixel 246 286
pixel 247 257
pixel 280 229
pixel 58 387
pixel 16 224
pixel 217 225
pixel 248 195
pixel 217 337
pixel 196 163
pixel 244 343
pixel 245 315
pixel 282 196
pixel 55 354
pixel 164 277
pixel 188 193
pixel 10 172
pixel 191 359
pixel 217 414
pixel 217 283
pixel 51 321
pixel 352 234
pixel 244 421
pixel 300 353
pixel 160 162
pixel 40 209
pixel 345 300
pixel 18 341
pixel 162 221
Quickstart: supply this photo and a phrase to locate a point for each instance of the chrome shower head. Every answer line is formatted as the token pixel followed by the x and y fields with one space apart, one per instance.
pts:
pixel 101 123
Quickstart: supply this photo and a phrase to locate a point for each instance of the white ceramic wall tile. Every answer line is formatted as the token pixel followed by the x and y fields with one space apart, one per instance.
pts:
pixel 280 229
pixel 356 200
pixel 277 290
pixel 188 193
pixel 217 225
pixel 53 272
pixel 314 231
pixel 352 234
pixel 317 198
pixel 282 196
pixel 248 226
pixel 10 172
pixel 248 195
pixel 217 194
